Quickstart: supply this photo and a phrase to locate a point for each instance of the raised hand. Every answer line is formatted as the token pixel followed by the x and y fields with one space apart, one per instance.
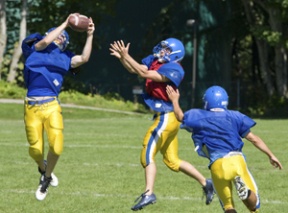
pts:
pixel 118 49
pixel 91 27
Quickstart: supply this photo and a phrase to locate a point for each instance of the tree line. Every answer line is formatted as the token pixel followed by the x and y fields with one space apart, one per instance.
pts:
pixel 238 41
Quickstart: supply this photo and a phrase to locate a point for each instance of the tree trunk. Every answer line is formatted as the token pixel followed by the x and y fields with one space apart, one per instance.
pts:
pixel 17 50
pixel 3 35
pixel 262 47
pixel 264 65
pixel 280 52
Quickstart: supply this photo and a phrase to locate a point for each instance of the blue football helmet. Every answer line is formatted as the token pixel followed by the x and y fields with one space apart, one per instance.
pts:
pixel 215 97
pixel 64 36
pixel 169 50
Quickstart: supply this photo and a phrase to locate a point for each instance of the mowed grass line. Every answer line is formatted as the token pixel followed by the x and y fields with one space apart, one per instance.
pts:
pixel 99 170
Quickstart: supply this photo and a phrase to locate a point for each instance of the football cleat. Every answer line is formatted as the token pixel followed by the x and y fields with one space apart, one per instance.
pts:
pixel 54 181
pixel 42 190
pixel 208 191
pixel 241 188
pixel 145 200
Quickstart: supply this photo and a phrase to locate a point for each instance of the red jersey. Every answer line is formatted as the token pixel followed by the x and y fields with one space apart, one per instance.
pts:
pixel 157 89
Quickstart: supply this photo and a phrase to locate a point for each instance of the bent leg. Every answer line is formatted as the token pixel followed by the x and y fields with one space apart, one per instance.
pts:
pixel 169 142
pixel 169 151
pixel 223 172
pixel 253 201
pixel 191 171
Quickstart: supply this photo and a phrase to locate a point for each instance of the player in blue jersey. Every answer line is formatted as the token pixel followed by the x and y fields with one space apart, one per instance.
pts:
pixel 47 62
pixel 217 132
pixel 160 69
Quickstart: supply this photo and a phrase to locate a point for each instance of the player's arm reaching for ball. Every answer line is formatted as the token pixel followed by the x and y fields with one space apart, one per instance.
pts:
pixel 78 60
pixel 58 36
pixel 120 51
pixel 116 51
pixel 51 36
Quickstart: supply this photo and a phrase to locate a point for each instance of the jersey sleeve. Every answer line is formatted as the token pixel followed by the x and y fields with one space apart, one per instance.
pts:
pixel 173 71
pixel 28 44
pixel 184 124
pixel 245 124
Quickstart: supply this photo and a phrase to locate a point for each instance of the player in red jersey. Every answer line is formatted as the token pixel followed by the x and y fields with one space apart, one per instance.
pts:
pixel 160 69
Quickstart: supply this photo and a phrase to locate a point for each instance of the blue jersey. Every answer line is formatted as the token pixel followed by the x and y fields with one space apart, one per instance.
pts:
pixel 44 70
pixel 215 134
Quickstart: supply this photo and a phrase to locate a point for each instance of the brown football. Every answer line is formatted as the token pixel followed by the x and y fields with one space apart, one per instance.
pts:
pixel 78 22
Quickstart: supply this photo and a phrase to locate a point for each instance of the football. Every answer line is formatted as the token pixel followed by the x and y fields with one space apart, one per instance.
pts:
pixel 78 22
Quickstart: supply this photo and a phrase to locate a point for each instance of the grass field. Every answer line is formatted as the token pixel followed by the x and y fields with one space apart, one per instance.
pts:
pixel 99 170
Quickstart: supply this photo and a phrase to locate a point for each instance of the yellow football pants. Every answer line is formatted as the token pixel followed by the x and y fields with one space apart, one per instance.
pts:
pixel 162 135
pixel 48 117
pixel 223 172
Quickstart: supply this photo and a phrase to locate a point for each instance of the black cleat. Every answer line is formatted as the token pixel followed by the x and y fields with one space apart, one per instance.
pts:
pixel 208 191
pixel 145 200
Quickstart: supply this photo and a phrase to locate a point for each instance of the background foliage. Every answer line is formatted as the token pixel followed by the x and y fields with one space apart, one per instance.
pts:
pixel 242 45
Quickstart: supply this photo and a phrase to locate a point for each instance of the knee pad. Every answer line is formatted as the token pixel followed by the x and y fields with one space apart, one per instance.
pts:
pixel 36 143
pixel 35 153
pixel 54 130
pixel 56 141
pixel 32 135
pixel 173 164
pixel 144 159
pixel 144 163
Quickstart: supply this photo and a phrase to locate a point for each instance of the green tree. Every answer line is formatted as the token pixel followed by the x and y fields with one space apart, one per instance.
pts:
pixel 17 52
pixel 267 21
pixel 3 35
pixel 29 16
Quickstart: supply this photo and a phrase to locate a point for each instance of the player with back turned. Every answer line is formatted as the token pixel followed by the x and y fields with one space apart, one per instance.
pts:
pixel 217 132
pixel 47 62
pixel 160 69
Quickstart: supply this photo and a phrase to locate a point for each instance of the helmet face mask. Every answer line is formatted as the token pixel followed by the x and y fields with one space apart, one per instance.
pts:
pixel 169 50
pixel 215 97
pixel 62 40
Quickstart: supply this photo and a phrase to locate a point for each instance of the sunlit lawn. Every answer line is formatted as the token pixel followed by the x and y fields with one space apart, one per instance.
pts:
pixel 99 170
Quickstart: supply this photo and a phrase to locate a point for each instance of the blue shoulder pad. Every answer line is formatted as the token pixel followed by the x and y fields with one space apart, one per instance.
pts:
pixel 28 42
pixel 172 71
pixel 148 60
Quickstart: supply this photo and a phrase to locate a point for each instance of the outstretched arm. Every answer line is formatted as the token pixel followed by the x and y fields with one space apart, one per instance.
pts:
pixel 48 39
pixel 259 144
pixel 78 60
pixel 120 51
pixel 174 96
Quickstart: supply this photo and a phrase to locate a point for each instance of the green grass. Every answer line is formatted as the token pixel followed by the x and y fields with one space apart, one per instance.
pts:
pixel 99 170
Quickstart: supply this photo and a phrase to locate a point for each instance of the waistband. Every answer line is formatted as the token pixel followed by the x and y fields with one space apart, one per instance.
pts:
pixel 230 154
pixel 39 102
pixel 156 114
